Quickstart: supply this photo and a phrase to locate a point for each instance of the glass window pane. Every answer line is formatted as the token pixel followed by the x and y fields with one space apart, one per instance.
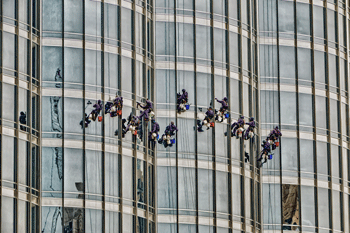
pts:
pixel 203 5
pixel 185 40
pixel 52 15
pixel 290 154
pixel 322 158
pixel 187 188
pixel 166 187
pixel 8 50
pixel 93 18
pixel 203 42
pixel 111 21
pixel 73 171
pixel 165 39
pixel 286 16
pixel 9 9
pixel 7 211
pixel 73 65
pixel 93 172
pixel 321 112
pixel 94 221
pixel 127 178
pixel 332 19
pixel 8 100
pixel 323 208
pixel 305 109
pixel 303 19
pixel 222 198
pixel 318 21
pixel 288 108
pixel 93 71
pixel 205 190
pixel 287 62
pixel 290 205
pixel 307 156
pixel 52 172
pixel 320 72
pixel 304 64
pixel 126 26
pixel 73 16
pixel 308 205
pixel 111 169
pixel 333 77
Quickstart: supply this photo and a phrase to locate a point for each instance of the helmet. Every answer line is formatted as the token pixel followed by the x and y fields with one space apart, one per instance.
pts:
pixel 276 127
pixel 99 101
pixel 264 141
pixel 251 119
pixel 22 113
pixel 225 99
pixel 183 90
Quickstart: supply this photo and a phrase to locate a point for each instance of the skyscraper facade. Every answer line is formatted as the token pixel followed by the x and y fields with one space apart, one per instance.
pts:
pixel 282 62
pixel 208 48
pixel 93 179
pixel 19 115
pixel 304 90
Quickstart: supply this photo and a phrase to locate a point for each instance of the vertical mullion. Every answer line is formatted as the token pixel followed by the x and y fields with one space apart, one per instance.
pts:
pixel 195 112
pixel 176 118
pixel 297 107
pixel 84 98
pixel 250 107
pixel 63 125
pixel 213 172
pixel 228 94
pixel 242 165
pixel 257 172
pixel 345 156
pixel 279 97
pixel 144 91
pixel 133 90
pixel 340 128
pixel 1 86
pixel 38 161
pixel 314 118
pixel 16 101
pixel 120 140
pixel 103 162
pixel 329 137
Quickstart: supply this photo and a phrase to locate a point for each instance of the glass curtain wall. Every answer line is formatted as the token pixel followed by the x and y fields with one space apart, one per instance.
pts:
pixel 208 48
pixel 304 90
pixel 19 111
pixel 93 180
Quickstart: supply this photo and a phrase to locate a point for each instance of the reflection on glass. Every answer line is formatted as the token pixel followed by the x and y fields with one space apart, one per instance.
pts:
pixel 290 206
